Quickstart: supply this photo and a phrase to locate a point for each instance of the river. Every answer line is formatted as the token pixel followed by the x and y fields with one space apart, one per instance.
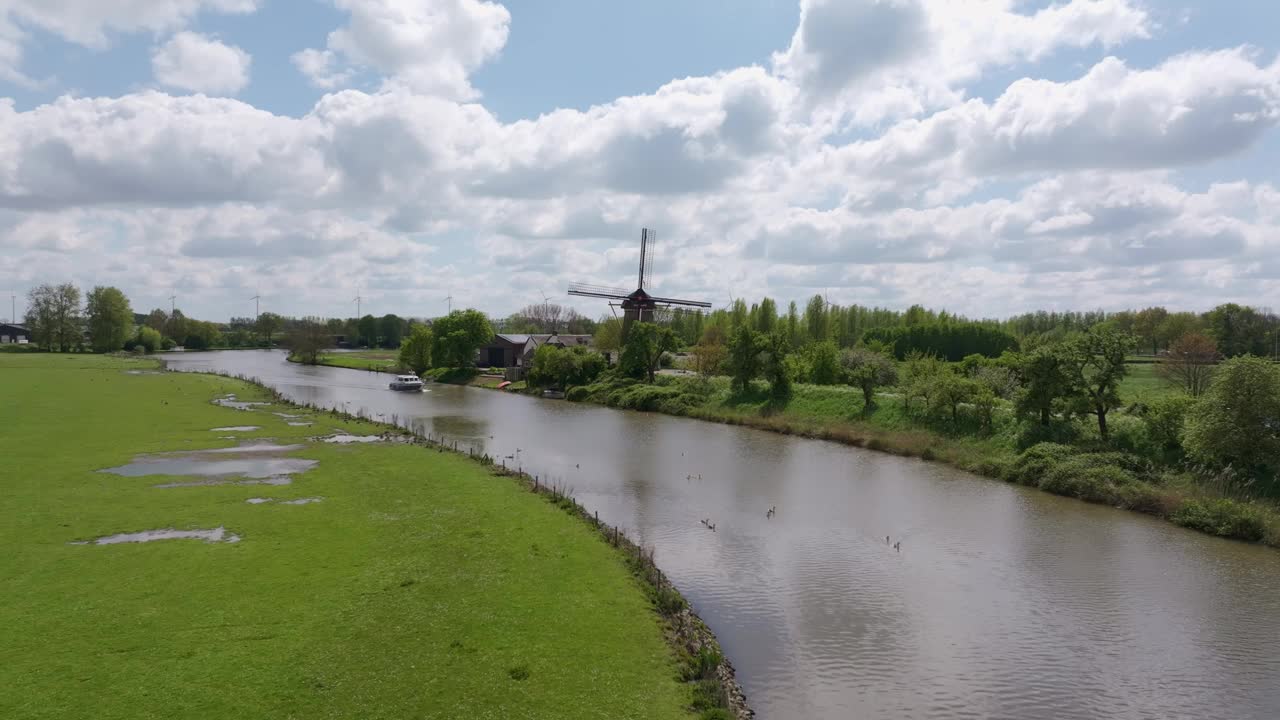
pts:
pixel 1003 602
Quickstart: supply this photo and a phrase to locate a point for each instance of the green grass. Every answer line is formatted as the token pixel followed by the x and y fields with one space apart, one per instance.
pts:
pixel 379 360
pixel 1142 384
pixel 422 586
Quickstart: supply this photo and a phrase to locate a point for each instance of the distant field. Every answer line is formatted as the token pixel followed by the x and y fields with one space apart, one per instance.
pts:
pixel 379 360
pixel 418 586
pixel 1142 385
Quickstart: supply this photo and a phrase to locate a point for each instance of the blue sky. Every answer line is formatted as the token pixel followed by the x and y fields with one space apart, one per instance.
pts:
pixel 883 151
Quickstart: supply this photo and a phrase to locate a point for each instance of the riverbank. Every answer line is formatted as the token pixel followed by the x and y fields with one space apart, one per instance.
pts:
pixel 836 413
pixel 382 575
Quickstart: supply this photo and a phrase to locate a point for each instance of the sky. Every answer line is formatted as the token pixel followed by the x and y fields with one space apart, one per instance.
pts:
pixel 987 157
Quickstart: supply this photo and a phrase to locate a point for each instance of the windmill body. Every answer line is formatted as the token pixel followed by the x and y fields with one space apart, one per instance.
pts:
pixel 637 305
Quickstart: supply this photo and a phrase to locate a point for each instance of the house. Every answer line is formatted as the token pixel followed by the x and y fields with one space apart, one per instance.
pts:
pixel 14 334
pixel 516 351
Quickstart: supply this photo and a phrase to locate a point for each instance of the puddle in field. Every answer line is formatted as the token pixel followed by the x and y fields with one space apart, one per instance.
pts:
pixel 343 439
pixel 301 424
pixel 251 449
pixel 299 501
pixel 218 534
pixel 142 372
pixel 260 462
pixel 287 416
pixel 230 401
pixel 236 428
pixel 275 480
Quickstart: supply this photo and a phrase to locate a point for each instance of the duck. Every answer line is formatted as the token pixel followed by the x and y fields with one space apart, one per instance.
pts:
pixel 898 546
pixel 772 511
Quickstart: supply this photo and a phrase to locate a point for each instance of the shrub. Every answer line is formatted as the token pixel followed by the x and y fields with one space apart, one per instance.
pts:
pixel 580 393
pixel 1132 434
pixel 1061 433
pixel 148 339
pixel 1165 418
pixel 1036 461
pixel 1224 518
pixel 1088 477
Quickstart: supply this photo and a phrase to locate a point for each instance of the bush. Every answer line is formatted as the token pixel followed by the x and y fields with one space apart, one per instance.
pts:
pixel 1132 435
pixel 1165 418
pixel 1088 477
pixel 1061 433
pixel 580 393
pixel 1036 461
pixel 1224 518
pixel 148 339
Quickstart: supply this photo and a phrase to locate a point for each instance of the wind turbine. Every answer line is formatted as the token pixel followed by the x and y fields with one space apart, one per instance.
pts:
pixel 173 302
pixel 546 304
pixel 449 299
pixel 257 311
pixel 358 300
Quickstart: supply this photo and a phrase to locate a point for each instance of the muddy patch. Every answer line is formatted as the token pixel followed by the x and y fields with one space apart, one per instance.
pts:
pixel 237 428
pixel 216 535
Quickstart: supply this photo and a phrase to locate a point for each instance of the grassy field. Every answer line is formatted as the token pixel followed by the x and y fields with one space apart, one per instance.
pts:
pixel 421 586
pixel 379 360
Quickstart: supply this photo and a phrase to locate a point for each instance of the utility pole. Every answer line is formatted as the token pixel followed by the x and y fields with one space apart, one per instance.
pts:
pixel 173 304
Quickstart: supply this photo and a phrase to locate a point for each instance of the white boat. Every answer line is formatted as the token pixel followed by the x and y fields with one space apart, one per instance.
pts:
pixel 409 383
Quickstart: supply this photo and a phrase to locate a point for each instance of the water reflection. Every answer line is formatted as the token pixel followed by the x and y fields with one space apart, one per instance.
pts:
pixel 1003 603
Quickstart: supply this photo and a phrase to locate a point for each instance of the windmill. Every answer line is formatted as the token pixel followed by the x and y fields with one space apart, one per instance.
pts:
pixel 257 311
pixel 358 300
pixel 637 305
pixel 449 299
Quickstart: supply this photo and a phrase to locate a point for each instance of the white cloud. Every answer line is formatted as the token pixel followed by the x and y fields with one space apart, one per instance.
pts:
pixel 1054 193
pixel 91 22
pixel 427 46
pixel 201 64
pixel 872 59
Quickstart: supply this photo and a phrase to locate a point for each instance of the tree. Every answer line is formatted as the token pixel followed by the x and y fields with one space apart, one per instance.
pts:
pixel 1096 365
pixel 868 370
pixel 110 319
pixel 645 346
pixel 1237 422
pixel 816 320
pixel 1175 325
pixel 459 336
pixel 824 362
pixel 775 366
pixel 307 339
pixel 202 335
pixel 392 329
pixel 1190 363
pixel 555 366
pixel 53 316
pixel 744 361
pixel 175 326
pixel 608 337
pixel 1046 381
pixel 148 338
pixel 951 391
pixel 1238 330
pixel 1149 325
pixel 367 326
pixel 415 351
pixel 268 324
pixel 708 358
pixel 157 320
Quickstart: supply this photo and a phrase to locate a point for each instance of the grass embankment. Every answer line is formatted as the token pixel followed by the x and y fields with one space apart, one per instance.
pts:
pixel 387 361
pixel 1086 469
pixel 421 585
